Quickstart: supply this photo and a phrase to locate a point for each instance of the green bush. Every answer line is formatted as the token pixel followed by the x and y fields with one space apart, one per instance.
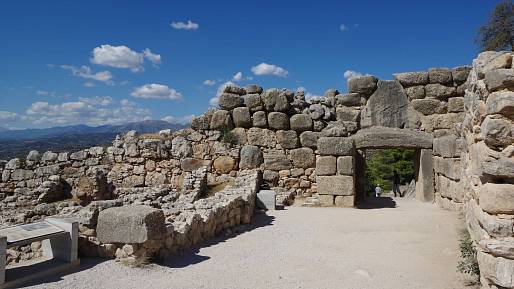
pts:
pixel 227 136
pixel 468 256
pixel 382 164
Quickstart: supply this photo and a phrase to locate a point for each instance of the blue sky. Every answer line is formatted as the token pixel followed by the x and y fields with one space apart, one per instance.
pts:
pixel 107 62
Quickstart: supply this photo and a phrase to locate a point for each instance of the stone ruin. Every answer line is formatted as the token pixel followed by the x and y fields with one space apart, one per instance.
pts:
pixel 173 190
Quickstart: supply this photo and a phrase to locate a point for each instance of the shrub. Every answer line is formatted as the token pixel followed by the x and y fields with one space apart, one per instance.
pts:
pixel 227 136
pixel 468 263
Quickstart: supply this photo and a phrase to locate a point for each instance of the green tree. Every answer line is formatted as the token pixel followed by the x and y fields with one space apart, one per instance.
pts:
pixel 382 164
pixel 498 32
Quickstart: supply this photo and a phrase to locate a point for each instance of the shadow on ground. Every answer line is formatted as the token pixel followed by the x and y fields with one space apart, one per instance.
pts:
pixel 190 256
pixel 376 203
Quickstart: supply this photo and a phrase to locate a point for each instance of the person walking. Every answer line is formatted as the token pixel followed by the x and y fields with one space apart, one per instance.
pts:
pixel 378 191
pixel 396 184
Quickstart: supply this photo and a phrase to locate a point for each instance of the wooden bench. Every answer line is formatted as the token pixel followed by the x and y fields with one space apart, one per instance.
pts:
pixel 60 248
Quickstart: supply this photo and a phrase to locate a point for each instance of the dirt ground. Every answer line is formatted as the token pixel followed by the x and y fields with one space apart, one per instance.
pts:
pixel 413 245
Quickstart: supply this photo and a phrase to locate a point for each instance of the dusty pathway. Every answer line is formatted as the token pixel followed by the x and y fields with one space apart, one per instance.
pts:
pixel 411 246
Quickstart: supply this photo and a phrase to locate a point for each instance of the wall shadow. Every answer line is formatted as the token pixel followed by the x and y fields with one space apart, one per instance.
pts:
pixel 191 256
pixel 376 203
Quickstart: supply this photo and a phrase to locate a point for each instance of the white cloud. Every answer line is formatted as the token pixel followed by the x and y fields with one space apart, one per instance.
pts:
pixel 7 115
pixel 238 76
pixel 349 74
pixel 87 73
pixel 344 28
pixel 123 57
pixel 178 119
pixel 156 91
pixel 91 111
pixel 209 82
pixel 185 26
pixel 89 84
pixel 269 69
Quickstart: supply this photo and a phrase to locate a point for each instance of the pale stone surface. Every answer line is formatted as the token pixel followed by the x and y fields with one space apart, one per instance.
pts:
pixel 301 123
pixel 345 165
pixel 412 78
pixel 344 113
pixel 425 183
pixel 335 185
pixel 499 79
pixel 224 164
pixel 266 199
pixel 250 157
pixel 456 104
pixel 345 201
pixel 309 139
pixel 338 146
pixel 229 101
pixel 362 84
pixel 497 198
pixel 303 157
pixel 440 75
pixel 253 102
pixel 221 119
pixel 429 106
pixel 276 160
pixel 261 137
pixel 326 165
pixel 501 102
pixel 288 139
pixel 259 119
pixel 326 200
pixel 415 92
pixel 130 224
pixel 446 146
pixel 380 137
pixel 241 117
pixel 497 132
pixel 278 120
pixel 439 91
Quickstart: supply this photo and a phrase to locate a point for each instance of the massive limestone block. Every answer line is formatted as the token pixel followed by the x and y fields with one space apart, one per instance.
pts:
pixel 278 120
pixel 501 102
pixel 253 89
pixel 288 139
pixel 191 164
pixel 440 75
pixel 253 102
pixel 261 137
pixel 309 139
pixel 451 168
pixel 441 121
pixel 337 146
pixel 350 99
pixel 415 92
pixel 93 186
pixel 276 160
pixel 269 98
pixel 301 122
pixel 326 166
pixel 241 117
pixel 239 134
pixel 229 101
pixel 449 188
pixel 344 113
pixel 456 104
pixel 303 158
pixel 428 106
pixel 221 119
pixel 250 157
pixel 440 91
pixel 425 184
pixel 499 79
pixel 499 271
pixel 33 156
pixel 259 119
pixel 412 78
pixel 383 137
pixel 497 198
pixel 224 164
pixel 388 106
pixel 497 132
pixel 234 89
pixel 446 146
pixel 130 225
pixel 181 147
pixel 345 165
pixel 490 60
pixel 281 102
pixel 335 185
pixel 365 85
pixel 460 74
pixel 345 201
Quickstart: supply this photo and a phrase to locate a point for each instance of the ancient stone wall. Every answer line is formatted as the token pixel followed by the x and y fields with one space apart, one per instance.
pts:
pixel 486 146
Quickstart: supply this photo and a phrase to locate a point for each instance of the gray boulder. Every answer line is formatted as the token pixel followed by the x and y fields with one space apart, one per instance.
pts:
pixel 221 119
pixel 309 139
pixel 301 122
pixel 440 91
pixel 412 78
pixel 253 88
pixel 241 117
pixel 415 92
pixel 460 74
pixel 234 89
pixel 428 106
pixel 499 79
pixel 259 119
pixel 501 102
pixel 440 75
pixel 278 120
pixel 250 157
pixel 288 139
pixel 253 102
pixel 229 101
pixel 365 85
pixel 269 98
pixel 337 146
pixel 350 99
pixel 303 158
pixel 276 160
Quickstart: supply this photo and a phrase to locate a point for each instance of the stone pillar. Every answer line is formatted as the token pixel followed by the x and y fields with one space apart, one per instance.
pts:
pixel 63 247
pixel 3 258
pixel 425 182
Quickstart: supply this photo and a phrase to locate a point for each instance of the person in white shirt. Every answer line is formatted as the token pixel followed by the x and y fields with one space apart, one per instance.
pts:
pixel 378 191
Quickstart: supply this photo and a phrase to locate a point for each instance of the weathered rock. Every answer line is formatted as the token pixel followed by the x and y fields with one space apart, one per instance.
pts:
pixel 446 146
pixel 241 117
pixel 497 198
pixel 239 136
pixel 338 146
pixel 498 270
pixel 234 89
pixel 501 102
pixel 261 137
pixel 52 190
pixel 345 165
pixel 301 122
pixel 13 164
pixel 456 104
pixel 502 60
pixel 335 185
pixel 388 106
pixel 412 78
pixel 253 102
pixel 259 119
pixel 281 102
pixel 497 132
pixel 250 157
pixel 224 164
pixel 130 225
pixel 326 200
pixel 441 121
pixel 202 122
pixel 439 91
pixel 365 85
pixel 303 157
pixel 344 113
pixel 428 106
pixel 288 139
pixel 309 139
pixel 191 164
pixel 451 168
pixel 221 119
pixel 316 111
pixel 440 75
pixel 271 177
pixel 229 101
pixel 181 147
pixel 460 74
pixel 93 186
pixel 499 79
pixel 415 92
pixel 278 120
pixel 253 88
pixel 380 137
pixel 33 156
pixel 350 99
pixel 326 165
pixel 269 98
pixel 276 160
pixel 344 201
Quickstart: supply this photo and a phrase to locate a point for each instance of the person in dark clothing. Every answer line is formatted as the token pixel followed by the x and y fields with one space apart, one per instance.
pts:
pixel 396 184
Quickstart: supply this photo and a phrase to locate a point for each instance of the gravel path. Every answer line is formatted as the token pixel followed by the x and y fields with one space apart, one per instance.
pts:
pixel 411 246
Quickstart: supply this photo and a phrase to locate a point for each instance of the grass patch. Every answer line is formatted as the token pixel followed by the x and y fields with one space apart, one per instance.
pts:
pixel 468 263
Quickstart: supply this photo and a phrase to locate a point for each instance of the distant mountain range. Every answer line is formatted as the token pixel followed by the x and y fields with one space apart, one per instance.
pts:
pixel 17 143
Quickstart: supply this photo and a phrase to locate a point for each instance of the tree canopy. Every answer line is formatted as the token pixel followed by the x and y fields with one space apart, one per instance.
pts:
pixel 498 32
pixel 383 162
